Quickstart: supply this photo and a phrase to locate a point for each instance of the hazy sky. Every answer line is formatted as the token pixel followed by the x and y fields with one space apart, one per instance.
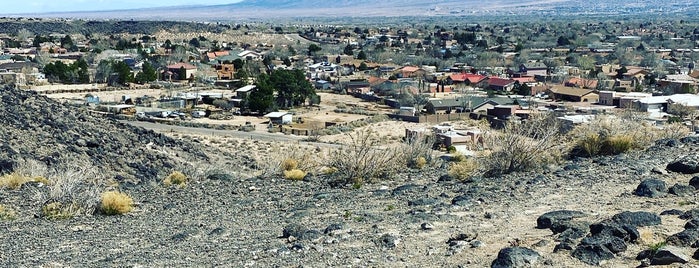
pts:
pixel 43 6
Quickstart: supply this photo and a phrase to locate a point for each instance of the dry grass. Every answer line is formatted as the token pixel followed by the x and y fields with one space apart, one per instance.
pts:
pixel 7 214
pixel 116 203
pixel 289 164
pixel 176 178
pixel 60 211
pixel 463 170
pixel 294 174
pixel 14 180
pixel 420 162
pixel 365 159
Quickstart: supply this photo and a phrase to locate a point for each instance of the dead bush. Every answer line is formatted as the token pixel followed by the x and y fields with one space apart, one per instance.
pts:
pixel 7 214
pixel 417 150
pixel 522 146
pixel 289 164
pixel 60 211
pixel 176 178
pixel 463 170
pixel 13 180
pixel 294 174
pixel 74 189
pixel 116 203
pixel 364 158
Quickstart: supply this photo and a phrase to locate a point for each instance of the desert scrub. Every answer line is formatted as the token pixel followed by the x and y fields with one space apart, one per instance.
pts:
pixel 13 180
pixel 116 203
pixel 176 178
pixel 463 170
pixel 289 164
pixel 7 214
pixel 294 174
pixel 418 163
pixel 60 211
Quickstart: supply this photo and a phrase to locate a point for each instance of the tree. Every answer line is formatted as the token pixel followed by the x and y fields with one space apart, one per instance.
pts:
pixel 195 42
pixel 348 50
pixel 563 41
pixel 524 90
pixel 261 100
pixel 123 71
pixel 313 48
pixel 363 66
pixel 148 74
pixel 361 55
pixel 620 72
pixel 182 73
pixel 292 87
pixel 287 61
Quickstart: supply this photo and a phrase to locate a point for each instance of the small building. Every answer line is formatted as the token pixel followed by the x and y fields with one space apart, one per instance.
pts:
pixel 174 69
pixel 562 93
pixel 245 91
pixel 279 118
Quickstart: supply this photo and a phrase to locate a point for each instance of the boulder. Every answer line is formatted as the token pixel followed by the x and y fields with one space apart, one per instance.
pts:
pixel 694 182
pixel 651 188
pixel 687 165
pixel 299 232
pixel 220 177
pixel 692 224
pixel 549 219
pixel 683 239
pixel 681 190
pixel 592 254
pixel 515 257
pixel 690 139
pixel 675 212
pixel 388 241
pixel 690 214
pixel 637 219
pixel 422 202
pixel 461 200
pixel 669 255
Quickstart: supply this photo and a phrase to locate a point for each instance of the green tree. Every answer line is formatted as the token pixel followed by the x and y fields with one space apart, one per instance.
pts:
pixel 123 72
pixel 313 48
pixel 292 87
pixel 147 74
pixel 261 100
pixel 361 55
pixel 348 50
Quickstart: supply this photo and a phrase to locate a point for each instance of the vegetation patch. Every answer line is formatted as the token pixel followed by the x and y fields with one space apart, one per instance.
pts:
pixel 116 203
pixel 463 170
pixel 294 174
pixel 176 178
pixel 7 214
pixel 60 211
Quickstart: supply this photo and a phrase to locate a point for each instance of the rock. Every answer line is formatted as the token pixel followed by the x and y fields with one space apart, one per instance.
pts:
pixel 690 139
pixel 668 142
pixel 388 241
pixel 694 182
pixel 563 246
pixel 515 257
pixel 592 254
pixel 294 230
pixel 461 200
pixel 696 255
pixel 405 189
pixel 686 165
pixel 651 188
pixel 611 243
pixel 637 219
pixel 426 226
pixel 683 239
pixel 681 190
pixel 548 219
pixel 692 224
pixel 572 234
pixel 422 202
pixel 332 227
pixel 476 244
pixel 574 226
pixel 690 214
pixel 7 166
pixel 220 177
pixel 668 255
pixel 659 170
pixel 675 212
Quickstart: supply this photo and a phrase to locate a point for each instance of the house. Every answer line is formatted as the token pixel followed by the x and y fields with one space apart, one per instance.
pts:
pixel 503 111
pixel 411 71
pixel 474 80
pixel 357 86
pixel 679 83
pixel 209 56
pixel 534 69
pixel 245 91
pixel 225 71
pixel 279 118
pixel 562 93
pixel 252 55
pixel 189 70
pixel 620 99
pixel 581 83
pixel 322 85
pixel 658 104
pixel 464 104
pixel 500 84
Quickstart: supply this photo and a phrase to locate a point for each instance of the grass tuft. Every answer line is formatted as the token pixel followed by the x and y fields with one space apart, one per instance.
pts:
pixel 176 178
pixel 116 203
pixel 294 174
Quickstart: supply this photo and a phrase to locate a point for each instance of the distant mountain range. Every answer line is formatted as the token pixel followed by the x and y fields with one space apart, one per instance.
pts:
pixel 266 9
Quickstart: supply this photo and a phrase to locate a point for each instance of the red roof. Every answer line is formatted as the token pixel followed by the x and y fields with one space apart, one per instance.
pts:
pixel 182 64
pixel 462 77
pixel 410 69
pixel 526 79
pixel 499 82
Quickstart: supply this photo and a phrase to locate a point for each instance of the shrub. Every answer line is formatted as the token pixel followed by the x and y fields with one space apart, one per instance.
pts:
pixel 364 158
pixel 457 157
pixel 294 174
pixel 176 178
pixel 617 144
pixel 463 170
pixel 419 163
pixel 116 203
pixel 13 180
pixel 289 164
pixel 451 149
pixel 7 214
pixel 59 211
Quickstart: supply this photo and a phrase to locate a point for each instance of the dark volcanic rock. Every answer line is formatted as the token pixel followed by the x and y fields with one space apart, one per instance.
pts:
pixel 592 254
pixel 690 214
pixel 669 255
pixel 651 188
pixel 694 182
pixel 638 218
pixel 548 219
pixel 422 202
pixel 681 190
pixel 220 177
pixel 683 239
pixel 687 165
pixel 675 212
pixel 387 241
pixel 461 200
pixel 515 257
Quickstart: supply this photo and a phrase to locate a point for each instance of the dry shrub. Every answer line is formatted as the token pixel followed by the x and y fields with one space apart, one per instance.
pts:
pixel 463 170
pixel 13 180
pixel 294 174
pixel 116 203
pixel 76 187
pixel 289 164
pixel 364 158
pixel 60 211
pixel 524 146
pixel 615 134
pixel 7 214
pixel 417 150
pixel 420 162
pixel 176 178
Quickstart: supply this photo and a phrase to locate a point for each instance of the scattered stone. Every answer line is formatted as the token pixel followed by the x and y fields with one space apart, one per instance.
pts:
pixel 426 226
pixel 683 239
pixel 388 241
pixel 404 189
pixel 461 200
pixel 592 254
pixel 332 227
pixel 638 219
pixel 548 219
pixel 686 165
pixel 681 190
pixel 563 246
pixel 422 202
pixel 694 182
pixel 651 188
pixel 675 212
pixel 220 177
pixel 669 255
pixel 659 170
pixel 541 243
pixel 515 257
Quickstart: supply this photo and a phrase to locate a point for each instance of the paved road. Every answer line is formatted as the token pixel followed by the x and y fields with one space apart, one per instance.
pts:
pixel 261 136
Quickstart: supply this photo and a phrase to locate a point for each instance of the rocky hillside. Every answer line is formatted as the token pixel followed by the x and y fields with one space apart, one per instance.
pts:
pixel 633 209
pixel 35 127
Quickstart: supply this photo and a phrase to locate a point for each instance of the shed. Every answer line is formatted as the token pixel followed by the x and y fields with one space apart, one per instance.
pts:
pixel 279 118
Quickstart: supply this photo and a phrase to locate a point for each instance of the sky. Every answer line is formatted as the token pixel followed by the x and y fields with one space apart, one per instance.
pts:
pixel 45 6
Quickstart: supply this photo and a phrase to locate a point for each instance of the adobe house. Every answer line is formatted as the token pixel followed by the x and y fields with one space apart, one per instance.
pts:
pixel 573 94
pixel 534 69
pixel 174 69
pixel 225 71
